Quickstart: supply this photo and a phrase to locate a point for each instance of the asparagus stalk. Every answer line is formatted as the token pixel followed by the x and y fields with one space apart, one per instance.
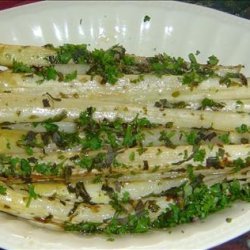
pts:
pixel 16 141
pixel 25 109
pixel 30 55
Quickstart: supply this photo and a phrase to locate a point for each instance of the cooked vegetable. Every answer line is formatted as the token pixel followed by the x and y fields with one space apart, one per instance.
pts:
pixel 104 141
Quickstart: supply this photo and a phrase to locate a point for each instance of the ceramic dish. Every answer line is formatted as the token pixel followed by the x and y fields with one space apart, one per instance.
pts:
pixel 174 27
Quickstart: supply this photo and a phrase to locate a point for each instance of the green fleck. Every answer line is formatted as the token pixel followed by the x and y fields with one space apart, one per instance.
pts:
pixel 213 60
pixel 25 167
pixel 49 73
pixel 132 156
pixel 140 78
pixel 169 125
pixel 238 164
pixel 176 93
pixel 129 60
pixel 86 162
pixel 47 169
pixel 106 64
pixel 134 224
pixel 224 138
pixel 199 155
pixel 8 146
pixel 85 118
pixel 97 179
pixel 77 53
pixel 92 141
pixel 209 103
pixel 188 189
pixel 192 78
pixel 110 239
pixel 32 194
pixel 228 220
pixel 3 190
pixel 116 203
pixel 71 76
pixel 146 18
pixel 125 197
pixel 83 227
pixel 192 59
pixel 239 104
pixel 29 150
pixel 19 67
pixel 50 127
pixel 192 138
pixel 242 129
pixel 166 136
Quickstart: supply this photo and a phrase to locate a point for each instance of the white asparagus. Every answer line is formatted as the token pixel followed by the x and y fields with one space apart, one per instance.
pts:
pixel 68 127
pixel 38 56
pixel 30 55
pixel 138 185
pixel 85 83
pixel 136 189
pixel 226 105
pixel 10 138
pixel 157 158
pixel 16 203
pixel 26 109
pixel 168 156
pixel 243 175
pixel 151 88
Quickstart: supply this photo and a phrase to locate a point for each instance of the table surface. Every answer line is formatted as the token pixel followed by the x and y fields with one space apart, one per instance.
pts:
pixel 237 7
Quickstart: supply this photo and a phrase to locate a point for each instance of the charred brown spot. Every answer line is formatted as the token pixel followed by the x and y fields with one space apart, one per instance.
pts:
pixel 53 98
pixel 46 103
pixel 153 207
pixel 45 220
pixel 145 165
pixel 73 210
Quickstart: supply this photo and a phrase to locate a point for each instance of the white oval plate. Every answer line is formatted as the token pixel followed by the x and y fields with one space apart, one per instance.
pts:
pixel 176 28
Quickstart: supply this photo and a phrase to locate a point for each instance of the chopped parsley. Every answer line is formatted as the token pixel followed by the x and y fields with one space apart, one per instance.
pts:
pixel 116 133
pixel 209 103
pixel 24 168
pixel 199 155
pixel 146 18
pixel 242 129
pixel 224 138
pixel 213 60
pixel 3 190
pixel 113 63
pixel 32 194
pixel 83 227
pixel 166 136
pixel 192 138
pixel 164 103
pixel 46 72
pixel 78 53
pixel 71 76
pixel 19 67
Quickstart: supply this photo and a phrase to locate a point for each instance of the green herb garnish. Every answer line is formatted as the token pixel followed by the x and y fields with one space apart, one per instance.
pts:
pixel 146 18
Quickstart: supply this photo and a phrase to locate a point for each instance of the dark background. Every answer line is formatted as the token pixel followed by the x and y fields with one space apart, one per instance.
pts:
pixel 236 7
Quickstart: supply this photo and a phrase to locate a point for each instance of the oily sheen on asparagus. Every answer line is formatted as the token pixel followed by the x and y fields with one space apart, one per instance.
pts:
pixel 109 142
